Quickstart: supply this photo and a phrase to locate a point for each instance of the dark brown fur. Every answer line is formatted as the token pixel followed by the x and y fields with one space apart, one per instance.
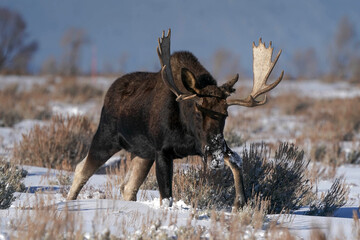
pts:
pixel 141 115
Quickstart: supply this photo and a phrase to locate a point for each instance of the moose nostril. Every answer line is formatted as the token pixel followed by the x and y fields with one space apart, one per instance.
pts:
pixel 218 155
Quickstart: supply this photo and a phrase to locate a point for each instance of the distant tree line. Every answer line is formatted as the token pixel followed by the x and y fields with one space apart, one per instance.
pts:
pixel 72 42
pixel 16 52
pixel 343 57
pixel 344 52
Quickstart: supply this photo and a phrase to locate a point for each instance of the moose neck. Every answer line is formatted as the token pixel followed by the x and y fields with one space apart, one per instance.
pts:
pixel 191 126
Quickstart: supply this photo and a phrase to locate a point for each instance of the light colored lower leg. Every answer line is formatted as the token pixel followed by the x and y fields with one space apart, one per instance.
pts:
pixel 240 198
pixel 139 169
pixel 83 171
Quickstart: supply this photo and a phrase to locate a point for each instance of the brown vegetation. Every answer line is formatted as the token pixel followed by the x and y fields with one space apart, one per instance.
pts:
pixel 17 105
pixel 335 121
pixel 70 90
pixel 322 125
pixel 64 142
pixel 10 182
pixel 45 221
pixel 335 198
pixel 281 181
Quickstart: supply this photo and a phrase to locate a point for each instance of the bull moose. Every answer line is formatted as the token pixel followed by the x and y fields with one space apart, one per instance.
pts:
pixel 176 112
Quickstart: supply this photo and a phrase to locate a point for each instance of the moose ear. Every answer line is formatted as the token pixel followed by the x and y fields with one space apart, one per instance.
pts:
pixel 189 80
pixel 229 85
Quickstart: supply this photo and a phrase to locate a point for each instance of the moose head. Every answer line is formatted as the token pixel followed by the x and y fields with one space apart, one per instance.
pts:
pixel 213 101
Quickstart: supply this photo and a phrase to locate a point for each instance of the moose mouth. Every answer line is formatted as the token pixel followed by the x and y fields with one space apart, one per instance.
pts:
pixel 215 151
pixel 217 160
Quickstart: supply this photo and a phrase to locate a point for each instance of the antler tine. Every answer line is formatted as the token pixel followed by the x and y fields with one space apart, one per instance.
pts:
pixel 163 51
pixel 262 68
pixel 265 88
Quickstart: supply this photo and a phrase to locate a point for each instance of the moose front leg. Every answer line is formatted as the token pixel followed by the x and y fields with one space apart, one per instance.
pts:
pixel 139 169
pixel 233 161
pixel 164 172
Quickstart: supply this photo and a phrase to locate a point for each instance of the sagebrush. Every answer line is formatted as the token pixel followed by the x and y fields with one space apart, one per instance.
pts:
pixel 17 105
pixel 334 198
pixel 10 182
pixel 62 143
pixel 46 221
pixel 71 90
pixel 280 180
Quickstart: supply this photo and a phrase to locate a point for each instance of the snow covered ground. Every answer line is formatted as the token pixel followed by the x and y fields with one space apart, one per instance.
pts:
pixel 115 215
pixel 96 214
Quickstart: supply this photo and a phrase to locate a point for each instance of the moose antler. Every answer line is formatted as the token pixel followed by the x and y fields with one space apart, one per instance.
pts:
pixel 163 51
pixel 262 67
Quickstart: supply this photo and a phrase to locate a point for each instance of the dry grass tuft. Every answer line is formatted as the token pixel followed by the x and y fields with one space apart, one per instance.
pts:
pixel 356 227
pixel 353 157
pixel 335 198
pixel 336 121
pixel 45 221
pixel 204 188
pixel 254 214
pixel 64 142
pixel 277 232
pixel 333 118
pixel 114 179
pixel 17 105
pixel 292 104
pixel 281 180
pixel 317 234
pixel 70 90
pixel 10 182
pixel 246 224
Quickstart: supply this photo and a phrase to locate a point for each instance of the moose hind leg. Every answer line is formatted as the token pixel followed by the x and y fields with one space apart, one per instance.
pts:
pixel 86 168
pixel 104 144
pixel 139 169
pixel 83 171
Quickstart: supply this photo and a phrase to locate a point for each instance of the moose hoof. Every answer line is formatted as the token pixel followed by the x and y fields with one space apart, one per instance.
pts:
pixel 237 208
pixel 167 202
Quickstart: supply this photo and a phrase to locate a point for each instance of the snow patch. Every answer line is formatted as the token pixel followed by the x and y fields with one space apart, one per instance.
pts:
pixel 217 161
pixel 176 205
pixel 235 158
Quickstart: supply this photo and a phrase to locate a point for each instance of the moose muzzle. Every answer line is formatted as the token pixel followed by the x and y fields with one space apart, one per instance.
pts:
pixel 217 151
